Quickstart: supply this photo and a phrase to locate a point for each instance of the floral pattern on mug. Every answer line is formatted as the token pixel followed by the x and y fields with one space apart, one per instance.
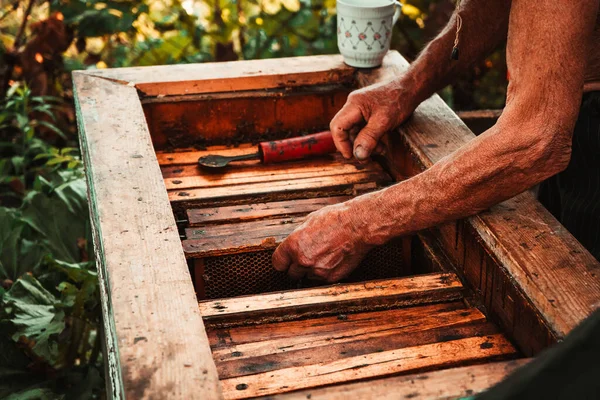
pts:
pixel 372 37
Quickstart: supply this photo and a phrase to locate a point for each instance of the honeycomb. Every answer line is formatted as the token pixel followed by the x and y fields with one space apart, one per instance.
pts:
pixel 382 262
pixel 242 274
pixel 252 273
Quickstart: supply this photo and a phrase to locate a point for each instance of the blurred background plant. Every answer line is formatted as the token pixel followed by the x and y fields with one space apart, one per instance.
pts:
pixel 50 317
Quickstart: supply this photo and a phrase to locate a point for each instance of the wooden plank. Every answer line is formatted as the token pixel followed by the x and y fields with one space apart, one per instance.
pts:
pixel 246 231
pixel 411 359
pixel 278 345
pixel 450 383
pixel 336 184
pixel 216 215
pixel 506 304
pixel 289 305
pixel 554 272
pixel 186 79
pixel 236 175
pixel 156 342
pixel 178 171
pixel 371 343
pixel 559 275
pixel 216 240
pixel 226 338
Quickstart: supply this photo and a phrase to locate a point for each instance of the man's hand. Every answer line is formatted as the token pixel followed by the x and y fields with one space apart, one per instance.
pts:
pixel 329 245
pixel 367 115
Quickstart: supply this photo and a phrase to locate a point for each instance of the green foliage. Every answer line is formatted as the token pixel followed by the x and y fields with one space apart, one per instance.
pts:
pixel 17 110
pixel 23 152
pixel 155 32
pixel 18 254
pixel 31 316
pixel 56 218
pixel 49 301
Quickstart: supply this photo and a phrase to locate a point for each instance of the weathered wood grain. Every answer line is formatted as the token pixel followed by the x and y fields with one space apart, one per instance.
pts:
pixel 507 305
pixel 216 215
pixel 232 76
pixel 226 338
pixel 215 240
pixel 334 184
pixel 450 383
pixel 410 359
pixel 385 293
pixel 236 175
pixel 278 346
pixel 247 230
pixel 370 343
pixel 156 342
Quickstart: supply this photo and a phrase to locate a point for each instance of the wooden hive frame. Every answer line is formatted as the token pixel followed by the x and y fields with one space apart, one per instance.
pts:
pixel 536 280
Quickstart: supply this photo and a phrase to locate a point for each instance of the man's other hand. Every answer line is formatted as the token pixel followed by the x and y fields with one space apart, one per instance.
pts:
pixel 327 246
pixel 368 114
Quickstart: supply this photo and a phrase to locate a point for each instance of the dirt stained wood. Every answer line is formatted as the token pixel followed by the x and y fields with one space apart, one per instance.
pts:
pixel 327 300
pixel 156 342
pixel 448 383
pixel 410 359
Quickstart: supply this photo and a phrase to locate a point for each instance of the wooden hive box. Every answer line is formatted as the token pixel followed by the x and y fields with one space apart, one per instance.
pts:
pixel 192 308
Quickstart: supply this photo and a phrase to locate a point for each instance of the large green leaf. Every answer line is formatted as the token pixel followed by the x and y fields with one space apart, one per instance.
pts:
pixel 61 218
pixel 17 254
pixel 83 295
pixel 31 315
pixel 77 272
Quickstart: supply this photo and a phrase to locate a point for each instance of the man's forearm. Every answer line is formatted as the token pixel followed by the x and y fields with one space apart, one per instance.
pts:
pixel 485 25
pixel 530 142
pixel 499 164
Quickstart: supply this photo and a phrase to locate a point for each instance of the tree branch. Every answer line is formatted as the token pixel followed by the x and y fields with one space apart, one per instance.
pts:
pixel 11 56
pixel 23 25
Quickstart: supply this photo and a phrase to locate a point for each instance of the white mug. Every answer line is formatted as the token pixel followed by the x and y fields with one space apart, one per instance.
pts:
pixel 365 30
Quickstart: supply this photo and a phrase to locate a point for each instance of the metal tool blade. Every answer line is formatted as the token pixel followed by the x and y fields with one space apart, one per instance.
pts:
pixel 218 161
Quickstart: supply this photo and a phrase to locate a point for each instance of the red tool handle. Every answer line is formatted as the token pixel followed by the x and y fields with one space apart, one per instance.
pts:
pixel 297 148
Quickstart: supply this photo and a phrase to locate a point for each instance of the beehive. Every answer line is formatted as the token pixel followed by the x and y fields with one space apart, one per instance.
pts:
pixel 442 304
